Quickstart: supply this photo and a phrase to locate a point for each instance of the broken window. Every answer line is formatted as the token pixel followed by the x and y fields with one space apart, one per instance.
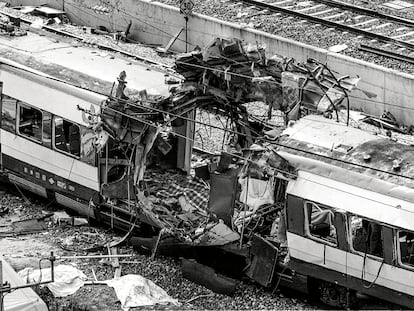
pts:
pixel 320 222
pixel 8 113
pixel 66 136
pixel 30 122
pixel 366 236
pixel 88 154
pixel 406 247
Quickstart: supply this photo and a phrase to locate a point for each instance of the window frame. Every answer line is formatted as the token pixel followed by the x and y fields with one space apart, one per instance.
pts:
pixel 19 105
pixel 398 249
pixel 307 224
pixel 351 241
pixel 54 117
pixel 4 98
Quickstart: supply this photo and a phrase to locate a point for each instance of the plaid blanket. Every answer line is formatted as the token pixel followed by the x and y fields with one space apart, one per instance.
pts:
pixel 196 192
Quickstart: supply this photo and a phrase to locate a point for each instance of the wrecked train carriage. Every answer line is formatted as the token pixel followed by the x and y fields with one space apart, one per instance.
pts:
pixel 349 212
pixel 51 127
pixel 50 132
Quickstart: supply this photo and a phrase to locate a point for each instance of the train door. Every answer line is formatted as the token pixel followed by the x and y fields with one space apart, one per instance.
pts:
pixel 379 260
pixel 312 234
pixel 318 246
pixel 366 258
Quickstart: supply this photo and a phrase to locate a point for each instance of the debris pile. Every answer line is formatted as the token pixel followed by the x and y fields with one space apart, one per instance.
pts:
pixel 233 73
pixel 11 27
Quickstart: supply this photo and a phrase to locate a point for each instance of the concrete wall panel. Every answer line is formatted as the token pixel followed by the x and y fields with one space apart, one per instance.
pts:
pixel 399 92
pixel 371 98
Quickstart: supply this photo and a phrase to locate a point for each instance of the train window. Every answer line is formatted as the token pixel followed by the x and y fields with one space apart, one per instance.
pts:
pixel 47 129
pixel 406 247
pixel 66 136
pixel 366 236
pixel 88 154
pixel 320 223
pixel 30 122
pixel 8 113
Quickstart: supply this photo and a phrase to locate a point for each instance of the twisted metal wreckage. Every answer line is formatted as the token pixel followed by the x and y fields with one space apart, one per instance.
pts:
pixel 145 144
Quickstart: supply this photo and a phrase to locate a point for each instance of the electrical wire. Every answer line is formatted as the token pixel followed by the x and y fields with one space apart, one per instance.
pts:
pixel 279 144
pixel 309 180
pixel 270 81
pixel 230 73
pixel 231 131
pixel 227 130
pixel 343 161
pixel 312 181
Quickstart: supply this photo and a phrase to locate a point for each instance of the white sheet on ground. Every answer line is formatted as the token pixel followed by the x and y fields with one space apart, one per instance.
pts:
pixel 68 279
pixel 135 291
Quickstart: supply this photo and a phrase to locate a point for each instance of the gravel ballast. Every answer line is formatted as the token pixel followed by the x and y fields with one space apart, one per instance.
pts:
pixel 165 272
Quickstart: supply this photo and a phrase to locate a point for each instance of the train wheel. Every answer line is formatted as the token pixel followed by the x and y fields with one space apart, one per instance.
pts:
pixel 335 295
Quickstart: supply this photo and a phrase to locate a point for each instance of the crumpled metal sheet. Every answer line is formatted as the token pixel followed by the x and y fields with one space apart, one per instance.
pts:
pixel 239 73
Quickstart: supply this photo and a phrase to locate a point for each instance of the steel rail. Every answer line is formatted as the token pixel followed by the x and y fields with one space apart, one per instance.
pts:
pixel 350 7
pixel 322 21
pixel 390 54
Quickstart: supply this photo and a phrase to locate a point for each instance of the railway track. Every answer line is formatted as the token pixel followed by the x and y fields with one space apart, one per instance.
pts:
pixel 385 32
pixel 385 53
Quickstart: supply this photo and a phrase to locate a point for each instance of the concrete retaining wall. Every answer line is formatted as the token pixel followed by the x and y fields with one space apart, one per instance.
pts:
pixel 156 23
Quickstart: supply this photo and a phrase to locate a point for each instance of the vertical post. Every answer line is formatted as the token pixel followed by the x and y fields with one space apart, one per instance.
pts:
pixel 1 286
pixel 52 266
pixel 186 33
pixel 186 8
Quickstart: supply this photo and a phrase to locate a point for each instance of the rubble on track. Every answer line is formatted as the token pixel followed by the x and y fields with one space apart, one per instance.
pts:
pixel 25 251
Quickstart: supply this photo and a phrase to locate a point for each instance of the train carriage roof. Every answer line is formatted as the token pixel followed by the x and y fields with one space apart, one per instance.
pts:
pixel 350 155
pixel 85 67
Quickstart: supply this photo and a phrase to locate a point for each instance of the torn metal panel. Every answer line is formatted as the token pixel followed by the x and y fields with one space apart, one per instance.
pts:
pixel 264 256
pixel 222 196
pixel 27 226
pixel 185 141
